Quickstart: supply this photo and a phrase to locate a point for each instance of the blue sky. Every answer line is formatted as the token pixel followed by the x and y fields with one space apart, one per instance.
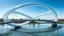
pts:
pixel 57 5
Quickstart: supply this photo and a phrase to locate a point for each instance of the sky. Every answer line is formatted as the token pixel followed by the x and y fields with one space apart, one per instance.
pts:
pixel 57 5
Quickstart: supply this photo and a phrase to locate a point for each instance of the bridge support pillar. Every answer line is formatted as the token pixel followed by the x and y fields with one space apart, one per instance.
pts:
pixel 53 25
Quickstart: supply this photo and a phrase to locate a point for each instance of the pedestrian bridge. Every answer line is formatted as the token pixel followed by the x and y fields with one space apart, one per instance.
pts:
pixel 13 10
pixel 53 25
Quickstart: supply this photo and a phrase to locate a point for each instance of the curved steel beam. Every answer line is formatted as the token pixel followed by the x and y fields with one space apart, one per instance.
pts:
pixel 5 17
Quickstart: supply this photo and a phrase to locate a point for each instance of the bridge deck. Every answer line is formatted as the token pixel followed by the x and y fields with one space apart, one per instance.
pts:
pixel 48 21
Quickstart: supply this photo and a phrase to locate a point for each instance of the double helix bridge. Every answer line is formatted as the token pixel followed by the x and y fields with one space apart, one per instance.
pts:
pixel 31 26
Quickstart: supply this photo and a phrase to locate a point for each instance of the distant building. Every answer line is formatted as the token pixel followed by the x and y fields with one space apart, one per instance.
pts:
pixel 61 20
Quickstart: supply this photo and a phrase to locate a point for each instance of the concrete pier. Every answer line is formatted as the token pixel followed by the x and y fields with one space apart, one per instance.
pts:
pixel 53 25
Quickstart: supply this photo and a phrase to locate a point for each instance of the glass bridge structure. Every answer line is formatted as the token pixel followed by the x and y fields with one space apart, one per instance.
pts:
pixel 26 29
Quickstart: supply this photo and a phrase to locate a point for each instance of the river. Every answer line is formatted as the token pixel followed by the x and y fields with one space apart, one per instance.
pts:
pixel 58 32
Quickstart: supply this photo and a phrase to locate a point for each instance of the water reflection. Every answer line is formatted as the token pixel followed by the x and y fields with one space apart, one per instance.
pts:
pixel 59 32
pixel 36 26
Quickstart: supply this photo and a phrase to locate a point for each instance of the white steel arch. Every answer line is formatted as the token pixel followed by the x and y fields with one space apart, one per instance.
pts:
pixel 5 17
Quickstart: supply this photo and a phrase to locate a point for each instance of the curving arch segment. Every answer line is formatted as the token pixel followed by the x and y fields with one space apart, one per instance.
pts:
pixel 5 17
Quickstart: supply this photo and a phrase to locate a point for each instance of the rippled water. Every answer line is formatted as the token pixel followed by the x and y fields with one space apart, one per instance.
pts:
pixel 59 32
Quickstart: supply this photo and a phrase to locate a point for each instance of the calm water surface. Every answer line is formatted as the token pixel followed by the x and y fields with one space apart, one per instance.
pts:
pixel 59 32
